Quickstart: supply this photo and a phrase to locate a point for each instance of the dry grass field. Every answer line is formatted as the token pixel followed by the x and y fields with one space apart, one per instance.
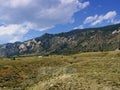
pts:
pixel 84 71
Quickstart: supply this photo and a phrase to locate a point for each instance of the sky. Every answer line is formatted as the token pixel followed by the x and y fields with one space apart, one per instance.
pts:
pixel 22 20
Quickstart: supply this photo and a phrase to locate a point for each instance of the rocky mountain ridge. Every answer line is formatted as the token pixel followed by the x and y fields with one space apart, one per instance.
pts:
pixel 80 40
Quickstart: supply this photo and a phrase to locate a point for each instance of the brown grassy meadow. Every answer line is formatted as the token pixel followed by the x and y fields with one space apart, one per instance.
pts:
pixel 84 71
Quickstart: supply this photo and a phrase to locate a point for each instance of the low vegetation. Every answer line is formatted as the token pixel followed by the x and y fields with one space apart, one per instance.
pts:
pixel 84 71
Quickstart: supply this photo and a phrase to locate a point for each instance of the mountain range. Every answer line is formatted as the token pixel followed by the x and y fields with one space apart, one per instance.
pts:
pixel 105 38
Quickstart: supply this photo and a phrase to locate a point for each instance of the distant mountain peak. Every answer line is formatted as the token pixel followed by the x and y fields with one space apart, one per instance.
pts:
pixel 91 39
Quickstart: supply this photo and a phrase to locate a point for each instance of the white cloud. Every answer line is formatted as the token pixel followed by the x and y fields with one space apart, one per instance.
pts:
pixel 40 14
pixel 12 32
pixel 97 19
pixel 109 17
pixel 79 27
pixel 84 5
pixel 90 19
pixel 18 3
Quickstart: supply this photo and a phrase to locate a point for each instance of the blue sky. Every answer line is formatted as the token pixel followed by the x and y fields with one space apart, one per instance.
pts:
pixel 21 20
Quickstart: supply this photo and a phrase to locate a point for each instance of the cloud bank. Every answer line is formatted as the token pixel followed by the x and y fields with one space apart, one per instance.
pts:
pixel 17 17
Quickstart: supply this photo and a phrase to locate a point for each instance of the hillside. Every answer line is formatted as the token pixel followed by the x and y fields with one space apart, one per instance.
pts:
pixel 80 40
pixel 83 71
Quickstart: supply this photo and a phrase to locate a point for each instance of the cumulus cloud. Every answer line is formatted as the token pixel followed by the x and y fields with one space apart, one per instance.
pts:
pixel 41 13
pixel 13 32
pixel 38 14
pixel 97 19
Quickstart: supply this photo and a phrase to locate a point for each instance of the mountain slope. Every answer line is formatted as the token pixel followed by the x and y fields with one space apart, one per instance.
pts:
pixel 91 39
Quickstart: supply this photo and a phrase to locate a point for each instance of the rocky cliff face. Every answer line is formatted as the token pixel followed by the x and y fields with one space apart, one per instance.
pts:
pixel 93 39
